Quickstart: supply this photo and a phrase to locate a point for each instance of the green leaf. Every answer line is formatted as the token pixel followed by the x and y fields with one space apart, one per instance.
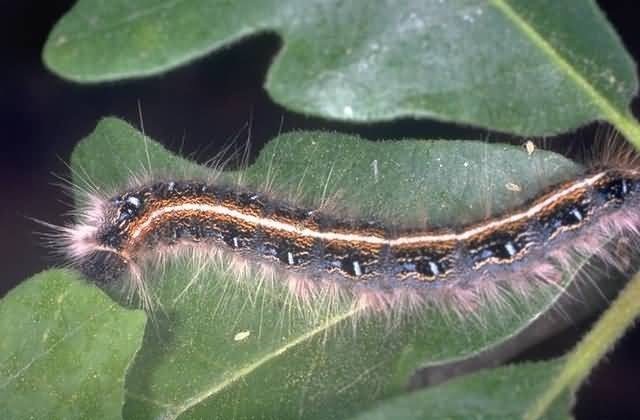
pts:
pixel 231 347
pixel 532 68
pixel 501 393
pixel 65 349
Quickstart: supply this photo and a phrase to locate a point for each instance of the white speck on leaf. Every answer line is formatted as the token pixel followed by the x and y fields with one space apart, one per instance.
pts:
pixel 530 147
pixel 512 187
pixel 242 335
pixel 374 166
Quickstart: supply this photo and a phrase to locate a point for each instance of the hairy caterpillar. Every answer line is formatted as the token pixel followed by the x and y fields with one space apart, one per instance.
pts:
pixel 378 266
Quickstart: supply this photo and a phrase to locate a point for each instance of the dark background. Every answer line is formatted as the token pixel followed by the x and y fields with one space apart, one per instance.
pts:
pixel 197 109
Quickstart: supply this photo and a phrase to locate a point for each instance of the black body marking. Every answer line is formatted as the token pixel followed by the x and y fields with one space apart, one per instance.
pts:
pixel 293 236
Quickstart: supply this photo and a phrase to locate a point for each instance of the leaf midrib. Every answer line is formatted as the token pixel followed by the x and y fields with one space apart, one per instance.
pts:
pixel 173 411
pixel 622 121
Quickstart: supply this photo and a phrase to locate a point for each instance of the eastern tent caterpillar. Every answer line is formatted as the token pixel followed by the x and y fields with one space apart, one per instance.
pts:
pixel 379 266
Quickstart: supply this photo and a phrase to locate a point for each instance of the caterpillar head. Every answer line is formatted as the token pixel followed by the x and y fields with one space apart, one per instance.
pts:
pixel 95 244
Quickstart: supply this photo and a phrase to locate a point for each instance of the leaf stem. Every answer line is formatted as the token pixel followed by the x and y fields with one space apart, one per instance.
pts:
pixel 609 328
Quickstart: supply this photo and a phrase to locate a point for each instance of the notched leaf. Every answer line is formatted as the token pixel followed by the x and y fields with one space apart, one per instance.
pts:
pixel 318 361
pixel 532 68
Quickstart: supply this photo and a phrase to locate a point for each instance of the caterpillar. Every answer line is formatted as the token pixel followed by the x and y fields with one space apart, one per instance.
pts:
pixel 379 266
